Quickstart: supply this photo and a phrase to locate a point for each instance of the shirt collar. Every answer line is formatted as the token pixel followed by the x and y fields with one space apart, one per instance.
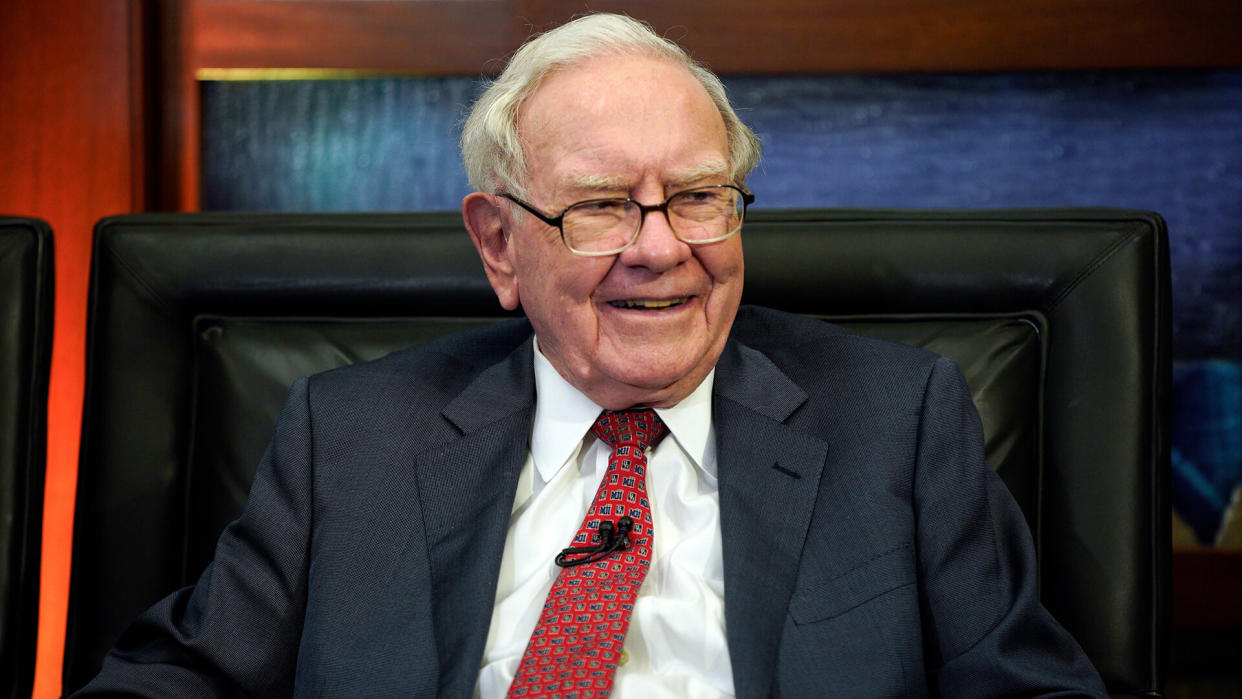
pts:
pixel 563 414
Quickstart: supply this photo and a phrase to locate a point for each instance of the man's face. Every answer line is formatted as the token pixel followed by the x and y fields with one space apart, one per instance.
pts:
pixel 645 325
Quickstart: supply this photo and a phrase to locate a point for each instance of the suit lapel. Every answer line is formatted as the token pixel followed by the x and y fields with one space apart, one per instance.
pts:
pixel 466 489
pixel 769 477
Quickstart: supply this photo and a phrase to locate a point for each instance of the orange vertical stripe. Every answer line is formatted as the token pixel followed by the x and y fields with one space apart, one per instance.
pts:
pixel 68 148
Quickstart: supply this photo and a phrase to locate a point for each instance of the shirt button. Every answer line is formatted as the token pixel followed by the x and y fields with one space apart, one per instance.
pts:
pixel 625 657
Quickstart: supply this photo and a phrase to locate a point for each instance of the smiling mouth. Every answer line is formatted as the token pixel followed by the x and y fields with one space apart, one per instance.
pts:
pixel 649 304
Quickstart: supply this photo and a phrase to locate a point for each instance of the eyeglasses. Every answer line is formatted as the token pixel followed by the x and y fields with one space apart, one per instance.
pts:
pixel 697 216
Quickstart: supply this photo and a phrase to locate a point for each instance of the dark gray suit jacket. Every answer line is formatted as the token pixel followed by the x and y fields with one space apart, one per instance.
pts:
pixel 868 549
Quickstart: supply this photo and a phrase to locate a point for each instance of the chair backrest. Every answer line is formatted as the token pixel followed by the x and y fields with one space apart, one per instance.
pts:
pixel 1059 320
pixel 25 356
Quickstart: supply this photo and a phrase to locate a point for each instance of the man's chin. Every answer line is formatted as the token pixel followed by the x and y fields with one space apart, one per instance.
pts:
pixel 658 388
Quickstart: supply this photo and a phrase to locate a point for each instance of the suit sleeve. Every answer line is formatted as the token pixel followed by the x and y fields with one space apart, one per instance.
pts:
pixel 237 630
pixel 987 633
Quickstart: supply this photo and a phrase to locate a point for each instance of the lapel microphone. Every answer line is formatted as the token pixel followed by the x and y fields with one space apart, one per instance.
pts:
pixel 610 540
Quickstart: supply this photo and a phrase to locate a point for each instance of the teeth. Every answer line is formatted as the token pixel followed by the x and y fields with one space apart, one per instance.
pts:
pixel 644 303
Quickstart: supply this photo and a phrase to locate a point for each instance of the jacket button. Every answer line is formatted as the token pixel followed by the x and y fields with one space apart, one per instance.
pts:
pixel 625 657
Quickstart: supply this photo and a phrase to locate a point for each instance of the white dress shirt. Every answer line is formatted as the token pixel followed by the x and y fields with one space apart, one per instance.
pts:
pixel 676 642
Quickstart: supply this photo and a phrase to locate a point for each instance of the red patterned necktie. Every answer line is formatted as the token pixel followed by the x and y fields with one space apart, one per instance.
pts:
pixel 574 649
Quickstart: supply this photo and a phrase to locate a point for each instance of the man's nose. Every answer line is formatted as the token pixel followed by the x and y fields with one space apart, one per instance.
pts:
pixel 657 248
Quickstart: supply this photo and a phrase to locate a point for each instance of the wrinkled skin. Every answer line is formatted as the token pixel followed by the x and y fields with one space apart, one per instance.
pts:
pixel 618 126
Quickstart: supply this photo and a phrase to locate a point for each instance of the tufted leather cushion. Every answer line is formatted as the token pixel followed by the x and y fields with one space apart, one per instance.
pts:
pixel 1059 320
pixel 25 353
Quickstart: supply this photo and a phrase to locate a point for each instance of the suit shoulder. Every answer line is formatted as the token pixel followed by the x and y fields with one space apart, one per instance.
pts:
pixel 844 374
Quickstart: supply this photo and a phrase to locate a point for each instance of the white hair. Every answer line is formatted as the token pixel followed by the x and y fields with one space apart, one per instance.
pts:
pixel 491 148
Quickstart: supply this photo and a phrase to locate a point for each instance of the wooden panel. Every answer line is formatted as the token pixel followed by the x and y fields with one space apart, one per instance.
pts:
pixel 71 151
pixel 732 36
pixel 418 37
pixel 469 37
pixel 177 123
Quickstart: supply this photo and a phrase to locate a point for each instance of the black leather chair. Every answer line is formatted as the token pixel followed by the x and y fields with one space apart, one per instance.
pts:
pixel 1059 319
pixel 25 356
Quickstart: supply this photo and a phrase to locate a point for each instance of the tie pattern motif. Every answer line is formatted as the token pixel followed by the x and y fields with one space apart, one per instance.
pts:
pixel 575 647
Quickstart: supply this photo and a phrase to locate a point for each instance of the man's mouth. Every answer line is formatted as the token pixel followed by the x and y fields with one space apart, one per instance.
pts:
pixel 649 304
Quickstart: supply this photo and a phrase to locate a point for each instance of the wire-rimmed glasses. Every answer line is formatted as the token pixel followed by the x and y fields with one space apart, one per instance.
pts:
pixel 697 216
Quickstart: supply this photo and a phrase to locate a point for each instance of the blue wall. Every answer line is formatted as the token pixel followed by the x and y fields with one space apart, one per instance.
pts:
pixel 1166 141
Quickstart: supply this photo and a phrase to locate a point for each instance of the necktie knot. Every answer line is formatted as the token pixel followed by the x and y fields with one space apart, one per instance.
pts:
pixel 639 427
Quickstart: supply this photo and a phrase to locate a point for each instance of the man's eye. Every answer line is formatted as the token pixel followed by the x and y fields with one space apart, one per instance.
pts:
pixel 703 196
pixel 603 206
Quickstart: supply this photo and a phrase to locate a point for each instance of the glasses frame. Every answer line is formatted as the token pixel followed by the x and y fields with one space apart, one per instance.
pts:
pixel 557 221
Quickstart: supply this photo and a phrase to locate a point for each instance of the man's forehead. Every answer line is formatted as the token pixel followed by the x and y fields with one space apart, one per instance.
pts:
pixel 609 123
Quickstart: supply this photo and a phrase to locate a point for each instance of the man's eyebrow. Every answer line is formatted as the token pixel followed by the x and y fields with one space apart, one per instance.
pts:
pixel 595 181
pixel 589 181
pixel 702 171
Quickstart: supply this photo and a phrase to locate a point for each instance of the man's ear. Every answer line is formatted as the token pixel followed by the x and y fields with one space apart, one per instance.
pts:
pixel 486 225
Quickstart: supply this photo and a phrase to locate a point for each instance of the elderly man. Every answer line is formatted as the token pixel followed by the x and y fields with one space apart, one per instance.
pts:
pixel 642 490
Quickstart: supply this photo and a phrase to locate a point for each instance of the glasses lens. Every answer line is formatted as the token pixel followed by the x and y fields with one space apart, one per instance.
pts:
pixel 601 225
pixel 707 213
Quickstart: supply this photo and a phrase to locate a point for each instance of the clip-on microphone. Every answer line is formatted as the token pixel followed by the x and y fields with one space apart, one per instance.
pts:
pixel 609 541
